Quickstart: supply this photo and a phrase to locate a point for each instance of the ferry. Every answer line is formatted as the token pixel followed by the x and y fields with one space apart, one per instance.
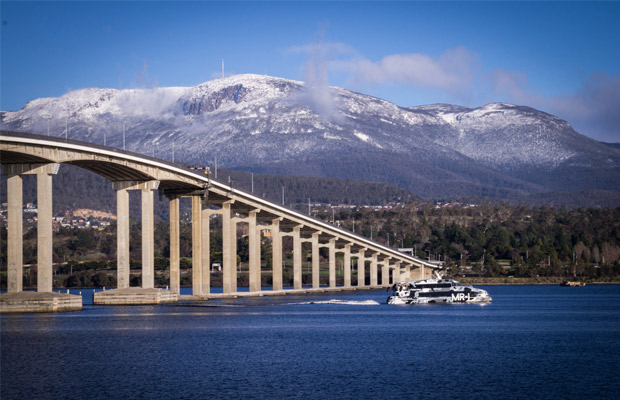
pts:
pixel 436 291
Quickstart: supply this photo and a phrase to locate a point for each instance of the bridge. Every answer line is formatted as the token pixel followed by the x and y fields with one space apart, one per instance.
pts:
pixel 28 154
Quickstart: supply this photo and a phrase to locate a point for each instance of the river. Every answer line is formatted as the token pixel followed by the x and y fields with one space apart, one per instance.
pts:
pixel 532 342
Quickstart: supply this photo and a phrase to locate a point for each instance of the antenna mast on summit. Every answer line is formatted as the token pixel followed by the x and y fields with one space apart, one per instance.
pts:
pixel 222 67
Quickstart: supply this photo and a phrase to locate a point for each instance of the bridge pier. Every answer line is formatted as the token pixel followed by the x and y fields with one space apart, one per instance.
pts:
pixel 276 254
pixel 297 284
pixel 122 236
pixel 332 262
pixel 205 235
pixel 361 268
pixel 347 265
pixel 254 244
pixel 148 238
pixel 15 250
pixel 316 266
pixel 44 300
pixel 196 246
pixel 147 293
pixel 45 242
pixel 419 273
pixel 396 275
pixel 373 269
pixel 175 239
pixel 385 272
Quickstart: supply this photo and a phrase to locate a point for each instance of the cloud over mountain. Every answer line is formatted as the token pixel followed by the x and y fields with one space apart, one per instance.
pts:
pixel 257 123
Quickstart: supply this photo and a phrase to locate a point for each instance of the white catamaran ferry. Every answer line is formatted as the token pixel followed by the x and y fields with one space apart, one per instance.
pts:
pixel 438 291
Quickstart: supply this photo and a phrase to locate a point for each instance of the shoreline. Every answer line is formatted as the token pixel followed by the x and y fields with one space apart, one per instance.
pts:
pixel 527 281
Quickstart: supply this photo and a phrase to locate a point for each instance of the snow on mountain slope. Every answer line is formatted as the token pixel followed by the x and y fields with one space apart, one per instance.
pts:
pixel 259 121
pixel 505 135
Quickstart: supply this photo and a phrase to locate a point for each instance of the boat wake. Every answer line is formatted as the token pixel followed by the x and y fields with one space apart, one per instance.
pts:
pixel 340 302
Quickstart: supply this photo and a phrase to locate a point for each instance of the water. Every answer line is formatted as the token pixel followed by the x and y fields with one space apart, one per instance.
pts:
pixel 542 342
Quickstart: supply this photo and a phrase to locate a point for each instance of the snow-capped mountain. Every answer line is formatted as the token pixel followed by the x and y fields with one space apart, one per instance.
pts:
pixel 273 125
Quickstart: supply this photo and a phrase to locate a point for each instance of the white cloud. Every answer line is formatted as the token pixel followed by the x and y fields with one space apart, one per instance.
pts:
pixel 459 73
pixel 452 71
pixel 593 110
pixel 318 95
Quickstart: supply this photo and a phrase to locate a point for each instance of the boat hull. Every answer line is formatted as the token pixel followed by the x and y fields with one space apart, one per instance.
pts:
pixel 436 291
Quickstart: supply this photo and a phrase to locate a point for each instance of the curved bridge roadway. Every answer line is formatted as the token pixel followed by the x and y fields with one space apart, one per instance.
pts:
pixel 22 153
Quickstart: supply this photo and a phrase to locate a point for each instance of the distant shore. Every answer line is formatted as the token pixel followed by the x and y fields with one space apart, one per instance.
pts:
pixel 547 280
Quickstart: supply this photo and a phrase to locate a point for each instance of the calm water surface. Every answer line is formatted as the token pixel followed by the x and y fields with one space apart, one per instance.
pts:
pixel 542 342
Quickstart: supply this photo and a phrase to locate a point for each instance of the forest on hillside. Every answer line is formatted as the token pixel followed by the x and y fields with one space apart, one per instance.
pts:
pixel 76 188
pixel 484 240
pixel 501 240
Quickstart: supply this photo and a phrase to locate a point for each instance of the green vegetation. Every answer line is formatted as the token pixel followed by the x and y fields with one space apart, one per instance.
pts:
pixel 505 243
pixel 500 240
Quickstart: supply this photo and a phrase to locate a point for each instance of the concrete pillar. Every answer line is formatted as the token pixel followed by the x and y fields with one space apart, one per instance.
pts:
pixel 373 269
pixel 148 240
pixel 122 238
pixel 316 283
pixel 297 257
pixel 347 265
pixel 254 244
pixel 226 247
pixel 332 263
pixel 407 272
pixel 122 227
pixel 45 243
pixel 396 273
pixel 15 249
pixel 205 261
pixel 276 254
pixel 196 245
pixel 233 255
pixel 361 269
pixel 385 273
pixel 418 273
pixel 175 239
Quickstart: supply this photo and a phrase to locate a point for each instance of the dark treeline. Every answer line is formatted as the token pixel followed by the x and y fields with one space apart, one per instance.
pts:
pixel 471 240
pixel 501 240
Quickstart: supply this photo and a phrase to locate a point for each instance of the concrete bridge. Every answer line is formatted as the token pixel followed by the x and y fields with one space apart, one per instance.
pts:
pixel 22 154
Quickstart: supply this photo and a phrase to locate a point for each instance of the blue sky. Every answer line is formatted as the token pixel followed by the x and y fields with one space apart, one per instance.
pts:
pixel 560 57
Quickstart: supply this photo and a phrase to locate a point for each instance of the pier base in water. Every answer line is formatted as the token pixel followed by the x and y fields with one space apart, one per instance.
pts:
pixel 134 296
pixel 22 302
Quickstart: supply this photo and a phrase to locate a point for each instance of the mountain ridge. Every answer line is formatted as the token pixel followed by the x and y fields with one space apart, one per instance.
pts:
pixel 273 125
